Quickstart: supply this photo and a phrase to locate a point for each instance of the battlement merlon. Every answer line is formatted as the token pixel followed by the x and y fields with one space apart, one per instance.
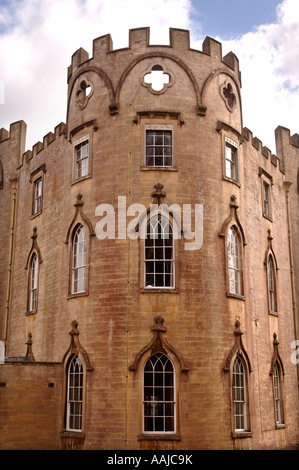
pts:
pixel 139 41
pixel 287 148
pixel 13 142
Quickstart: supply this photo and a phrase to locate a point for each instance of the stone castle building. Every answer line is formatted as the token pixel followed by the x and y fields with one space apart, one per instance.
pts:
pixel 118 329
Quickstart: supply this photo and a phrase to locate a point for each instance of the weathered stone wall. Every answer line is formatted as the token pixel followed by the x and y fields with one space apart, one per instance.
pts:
pixel 115 315
pixel 30 406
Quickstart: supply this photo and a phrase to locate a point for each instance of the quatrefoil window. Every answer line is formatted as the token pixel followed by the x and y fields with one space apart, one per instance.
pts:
pixel 83 93
pixel 228 95
pixel 157 80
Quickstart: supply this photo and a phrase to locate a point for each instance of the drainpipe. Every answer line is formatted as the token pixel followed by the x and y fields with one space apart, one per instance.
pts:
pixel 287 185
pixel 14 186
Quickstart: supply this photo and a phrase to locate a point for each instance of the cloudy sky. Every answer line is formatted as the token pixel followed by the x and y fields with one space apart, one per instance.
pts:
pixel 38 38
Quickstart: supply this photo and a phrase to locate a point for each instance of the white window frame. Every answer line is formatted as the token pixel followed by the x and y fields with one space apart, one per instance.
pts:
pixel 234 261
pixel 266 199
pixel 156 403
pixel 231 159
pixel 157 219
pixel 79 144
pixel 38 190
pixel 33 279
pixel 74 402
pixel 79 266
pixel 277 395
pixel 272 293
pixel 239 396
pixel 159 128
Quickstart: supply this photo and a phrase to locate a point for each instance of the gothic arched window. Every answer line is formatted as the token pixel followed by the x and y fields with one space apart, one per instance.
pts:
pixel 234 262
pixel 271 284
pixel 239 396
pixel 277 394
pixel 159 253
pixel 74 402
pixel 33 283
pixel 159 407
pixel 79 260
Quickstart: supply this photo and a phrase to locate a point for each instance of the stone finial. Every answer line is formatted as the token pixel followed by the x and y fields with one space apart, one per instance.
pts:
pixel 29 353
pixel 158 194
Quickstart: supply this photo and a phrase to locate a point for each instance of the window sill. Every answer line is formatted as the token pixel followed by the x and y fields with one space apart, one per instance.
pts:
pixel 79 294
pixel 230 180
pixel 78 180
pixel 153 290
pixel 71 434
pixel 268 217
pixel 275 314
pixel 32 312
pixel 241 434
pixel 159 437
pixel 35 215
pixel 235 296
pixel 280 426
pixel 158 168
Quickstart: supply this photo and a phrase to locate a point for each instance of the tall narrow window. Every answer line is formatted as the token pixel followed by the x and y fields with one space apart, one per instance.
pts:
pixel 79 260
pixel 37 204
pixel 239 396
pixel 159 253
pixel 231 159
pixel 271 285
pixel 33 283
pixel 81 159
pixel 159 395
pixel 266 196
pixel 233 261
pixel 277 395
pixel 74 395
pixel 158 148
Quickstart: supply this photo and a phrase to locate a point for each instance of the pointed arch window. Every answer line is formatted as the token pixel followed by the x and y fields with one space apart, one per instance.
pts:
pixel 239 396
pixel 34 260
pixel 271 267
pixel 277 373
pixel 159 253
pixel 79 260
pixel 233 235
pixel 159 407
pixel 33 280
pixel 76 372
pixel 271 284
pixel 74 395
pixel 239 367
pixel 234 261
pixel 277 394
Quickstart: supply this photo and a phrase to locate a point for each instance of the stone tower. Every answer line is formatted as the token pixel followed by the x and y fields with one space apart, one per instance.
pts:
pixel 178 341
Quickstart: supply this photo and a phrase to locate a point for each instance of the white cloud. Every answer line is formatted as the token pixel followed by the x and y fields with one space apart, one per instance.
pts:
pixel 42 36
pixel 269 62
pixel 37 47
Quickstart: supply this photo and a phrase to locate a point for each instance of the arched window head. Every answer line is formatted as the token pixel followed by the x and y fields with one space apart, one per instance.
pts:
pixel 159 253
pixel 239 396
pixel 74 402
pixel 79 260
pixel 159 407
pixel 234 261
pixel 33 280
pixel 271 285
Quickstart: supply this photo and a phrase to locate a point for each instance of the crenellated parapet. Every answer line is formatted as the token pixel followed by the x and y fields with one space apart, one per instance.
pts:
pixel 114 66
pixel 60 130
pixel 264 151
